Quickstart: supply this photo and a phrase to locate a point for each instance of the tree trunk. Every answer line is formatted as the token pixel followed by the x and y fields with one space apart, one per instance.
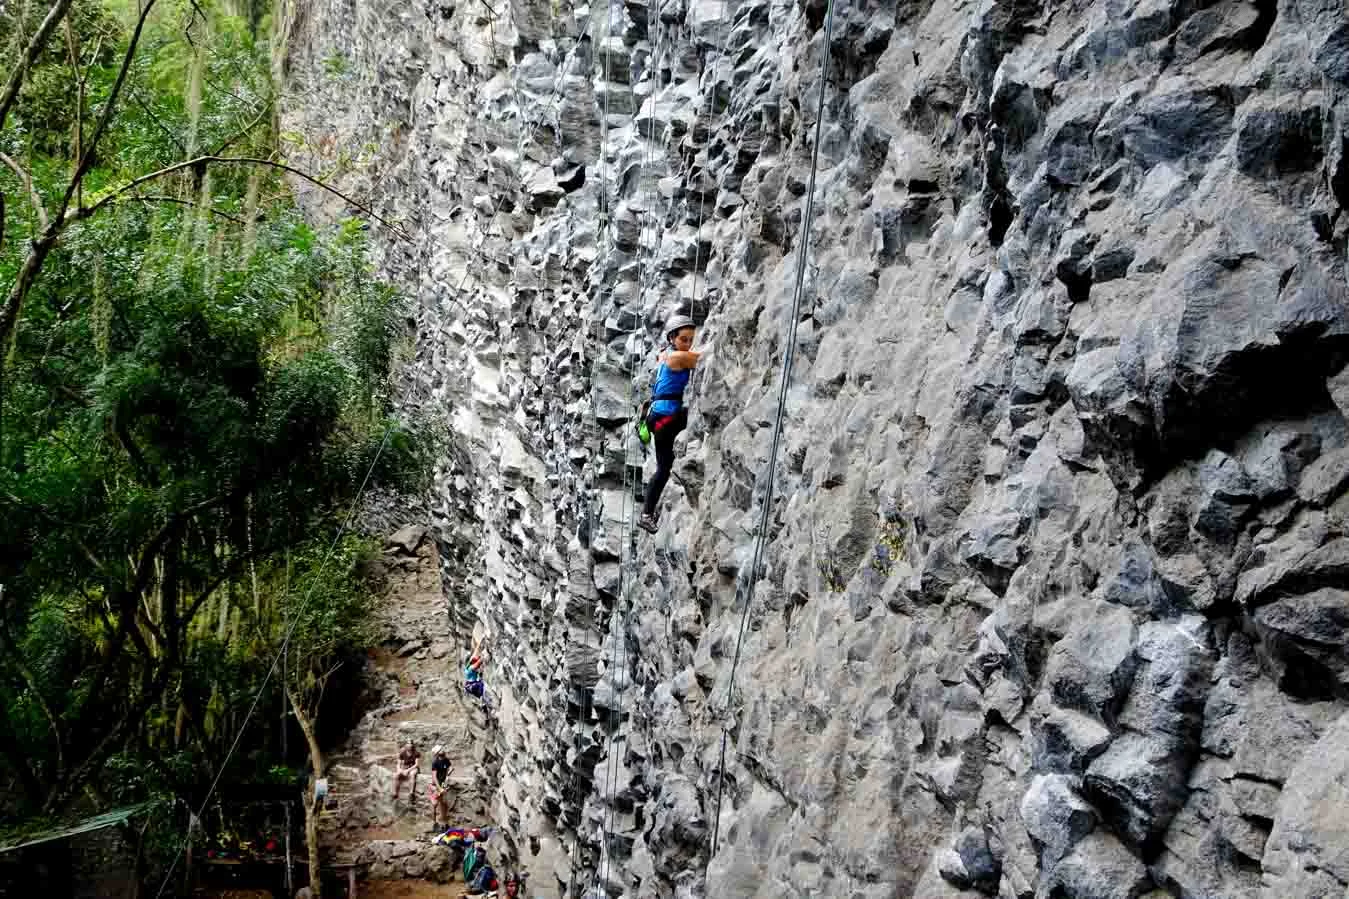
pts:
pixel 307 727
pixel 138 863
pixel 311 809
pixel 311 838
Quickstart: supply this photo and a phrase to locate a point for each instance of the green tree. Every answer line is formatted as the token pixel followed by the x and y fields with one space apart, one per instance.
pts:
pixel 147 477
pixel 193 386
pixel 323 621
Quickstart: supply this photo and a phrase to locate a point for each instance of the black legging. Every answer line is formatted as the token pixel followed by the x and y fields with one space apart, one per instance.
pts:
pixel 664 440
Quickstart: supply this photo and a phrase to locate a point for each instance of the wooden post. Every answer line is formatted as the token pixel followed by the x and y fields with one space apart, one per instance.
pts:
pixel 187 868
pixel 290 883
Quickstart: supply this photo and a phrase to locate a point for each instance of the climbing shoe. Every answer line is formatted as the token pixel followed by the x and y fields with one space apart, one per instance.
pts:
pixel 648 523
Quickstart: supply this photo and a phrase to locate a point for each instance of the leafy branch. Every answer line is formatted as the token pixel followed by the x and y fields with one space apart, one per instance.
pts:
pixel 51 232
pixel 27 181
pixel 30 53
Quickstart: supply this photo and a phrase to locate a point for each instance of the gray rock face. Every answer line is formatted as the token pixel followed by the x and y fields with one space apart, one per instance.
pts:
pixel 1099 867
pixel 1139 782
pixel 1307 853
pixel 1053 597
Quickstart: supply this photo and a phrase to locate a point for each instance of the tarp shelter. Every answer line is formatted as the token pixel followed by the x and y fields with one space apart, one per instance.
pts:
pixel 97 822
pixel 83 859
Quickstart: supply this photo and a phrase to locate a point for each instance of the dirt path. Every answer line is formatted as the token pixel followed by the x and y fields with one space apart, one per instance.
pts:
pixel 416 684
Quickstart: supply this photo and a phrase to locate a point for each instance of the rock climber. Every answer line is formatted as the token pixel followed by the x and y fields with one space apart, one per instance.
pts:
pixel 440 785
pixel 666 414
pixel 408 767
pixel 473 682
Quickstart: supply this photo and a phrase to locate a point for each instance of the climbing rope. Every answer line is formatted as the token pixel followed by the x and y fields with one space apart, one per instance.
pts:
pixel 618 652
pixel 526 130
pixel 788 358
pixel 605 223
pixel 585 695
pixel 621 612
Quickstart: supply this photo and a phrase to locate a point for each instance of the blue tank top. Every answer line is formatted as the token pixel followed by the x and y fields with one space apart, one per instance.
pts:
pixel 669 381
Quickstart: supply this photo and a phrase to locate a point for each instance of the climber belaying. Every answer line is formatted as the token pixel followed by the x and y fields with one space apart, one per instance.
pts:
pixel 666 414
pixel 440 785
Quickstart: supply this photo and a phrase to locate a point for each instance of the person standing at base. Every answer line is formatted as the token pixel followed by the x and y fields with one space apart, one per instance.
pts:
pixel 667 416
pixel 440 785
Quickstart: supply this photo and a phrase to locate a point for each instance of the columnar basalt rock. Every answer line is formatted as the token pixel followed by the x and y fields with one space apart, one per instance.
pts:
pixel 1054 597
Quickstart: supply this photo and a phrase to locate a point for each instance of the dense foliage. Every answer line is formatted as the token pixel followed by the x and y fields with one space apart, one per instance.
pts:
pixel 193 389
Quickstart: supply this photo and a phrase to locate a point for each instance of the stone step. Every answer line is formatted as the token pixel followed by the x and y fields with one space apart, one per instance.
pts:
pixel 347 779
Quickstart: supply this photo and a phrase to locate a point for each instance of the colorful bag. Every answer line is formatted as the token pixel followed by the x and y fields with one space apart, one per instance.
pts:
pixel 471 862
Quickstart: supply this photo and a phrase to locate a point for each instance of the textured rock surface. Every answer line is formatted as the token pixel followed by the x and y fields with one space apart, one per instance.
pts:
pixel 1055 589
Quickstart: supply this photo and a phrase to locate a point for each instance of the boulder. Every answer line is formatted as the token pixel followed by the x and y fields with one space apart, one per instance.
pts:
pixel 407 539
pixel 1055 816
pixel 1307 636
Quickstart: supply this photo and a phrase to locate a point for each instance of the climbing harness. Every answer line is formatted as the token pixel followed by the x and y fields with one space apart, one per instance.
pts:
pixel 674 383
pixel 747 595
pixel 646 429
pixel 603 236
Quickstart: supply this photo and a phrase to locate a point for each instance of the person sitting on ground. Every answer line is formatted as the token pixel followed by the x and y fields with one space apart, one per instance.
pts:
pixel 440 785
pixel 407 770
pixel 666 415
